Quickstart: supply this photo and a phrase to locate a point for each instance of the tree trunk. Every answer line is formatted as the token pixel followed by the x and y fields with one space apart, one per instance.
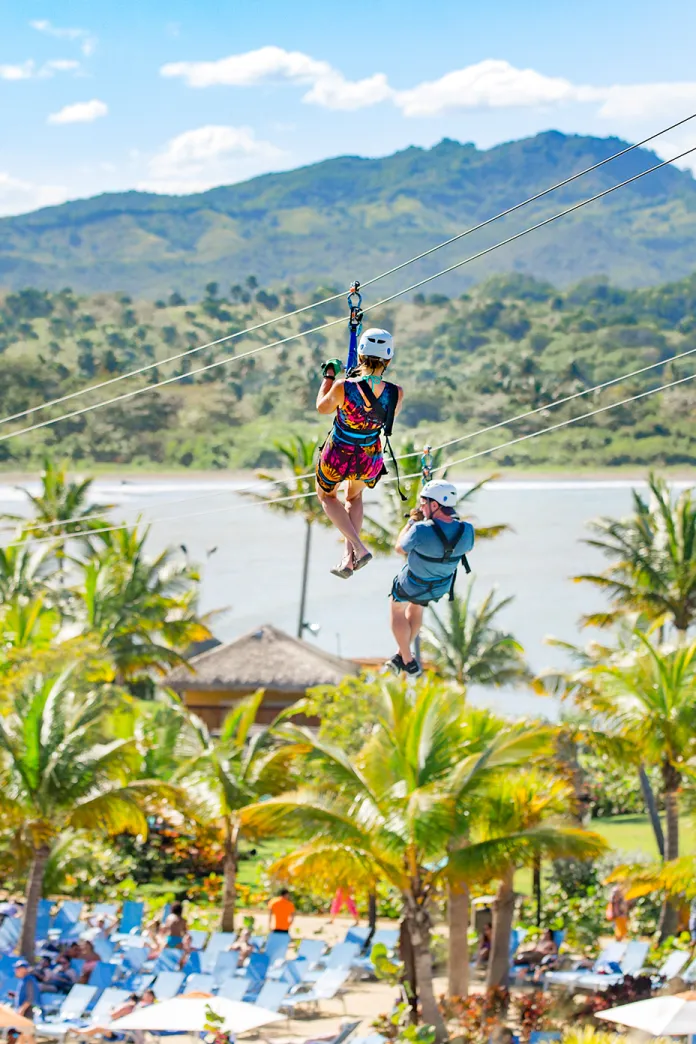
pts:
pixel 503 912
pixel 305 574
pixel 229 893
pixel 33 894
pixel 409 981
pixel 651 806
pixel 536 877
pixel 371 914
pixel 458 919
pixel 419 931
pixel 669 917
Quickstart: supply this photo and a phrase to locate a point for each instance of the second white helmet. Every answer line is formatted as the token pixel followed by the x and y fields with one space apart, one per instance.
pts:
pixel 441 491
pixel 379 344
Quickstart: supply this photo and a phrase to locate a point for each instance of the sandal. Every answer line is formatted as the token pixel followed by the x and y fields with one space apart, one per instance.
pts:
pixel 358 563
pixel 343 571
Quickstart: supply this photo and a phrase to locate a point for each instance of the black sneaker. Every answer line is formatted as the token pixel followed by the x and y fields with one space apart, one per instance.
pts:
pixel 395 665
pixel 413 668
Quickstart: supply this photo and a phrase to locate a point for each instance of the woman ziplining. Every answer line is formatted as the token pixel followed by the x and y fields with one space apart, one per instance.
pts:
pixel 365 406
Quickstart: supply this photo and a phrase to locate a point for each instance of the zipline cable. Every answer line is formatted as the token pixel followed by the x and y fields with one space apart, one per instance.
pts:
pixel 377 304
pixel 334 297
pixel 407 478
pixel 291 479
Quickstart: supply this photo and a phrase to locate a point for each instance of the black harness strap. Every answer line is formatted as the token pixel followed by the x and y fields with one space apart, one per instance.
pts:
pixel 448 546
pixel 386 418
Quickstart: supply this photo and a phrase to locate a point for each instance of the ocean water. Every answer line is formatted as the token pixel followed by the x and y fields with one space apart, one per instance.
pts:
pixel 251 563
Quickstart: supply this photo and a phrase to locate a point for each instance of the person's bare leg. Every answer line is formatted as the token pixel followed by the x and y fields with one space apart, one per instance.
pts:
pixel 401 629
pixel 355 509
pixel 342 521
pixel 414 615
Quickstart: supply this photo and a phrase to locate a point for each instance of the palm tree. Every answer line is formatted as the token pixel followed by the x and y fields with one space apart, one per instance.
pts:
pixel 392 810
pixel 62 506
pixel 649 701
pixel 227 772
pixel 520 822
pixel 143 609
pixel 62 767
pixel 468 648
pixel 653 553
pixel 299 455
pixel 25 571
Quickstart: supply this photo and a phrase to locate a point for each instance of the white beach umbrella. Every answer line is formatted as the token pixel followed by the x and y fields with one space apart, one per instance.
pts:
pixel 10 1018
pixel 673 1016
pixel 187 1014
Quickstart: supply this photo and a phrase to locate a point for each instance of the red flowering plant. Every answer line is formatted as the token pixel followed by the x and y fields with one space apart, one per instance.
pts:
pixel 477 1016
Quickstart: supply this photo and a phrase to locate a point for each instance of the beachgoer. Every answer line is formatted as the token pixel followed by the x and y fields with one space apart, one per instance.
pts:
pixel 536 951
pixel 364 405
pixel 617 912
pixel 243 945
pixel 281 912
pixel 27 1001
pixel 433 547
pixel 344 897
pixel 483 950
pixel 175 929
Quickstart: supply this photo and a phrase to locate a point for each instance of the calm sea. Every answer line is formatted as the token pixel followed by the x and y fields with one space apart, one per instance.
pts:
pixel 251 561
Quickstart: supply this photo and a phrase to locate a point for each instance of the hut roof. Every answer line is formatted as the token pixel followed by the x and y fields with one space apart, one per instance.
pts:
pixel 265 658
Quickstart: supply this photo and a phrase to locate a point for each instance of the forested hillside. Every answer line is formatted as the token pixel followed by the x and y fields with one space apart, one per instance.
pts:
pixel 506 346
pixel 305 226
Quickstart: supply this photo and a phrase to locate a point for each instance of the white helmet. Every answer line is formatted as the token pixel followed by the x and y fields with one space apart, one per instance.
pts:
pixel 441 491
pixel 377 343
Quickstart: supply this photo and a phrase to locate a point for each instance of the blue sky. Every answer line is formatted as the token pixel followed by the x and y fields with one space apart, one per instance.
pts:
pixel 180 96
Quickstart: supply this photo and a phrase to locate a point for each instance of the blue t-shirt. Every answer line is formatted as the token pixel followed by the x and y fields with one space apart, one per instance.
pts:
pixel 29 992
pixel 422 537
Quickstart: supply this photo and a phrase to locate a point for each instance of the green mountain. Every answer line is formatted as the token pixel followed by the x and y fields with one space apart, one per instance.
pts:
pixel 354 217
pixel 508 346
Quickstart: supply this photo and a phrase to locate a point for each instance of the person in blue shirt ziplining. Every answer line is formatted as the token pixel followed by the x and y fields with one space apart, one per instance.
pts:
pixel 434 545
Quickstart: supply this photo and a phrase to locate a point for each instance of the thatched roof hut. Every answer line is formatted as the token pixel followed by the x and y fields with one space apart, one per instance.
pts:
pixel 265 658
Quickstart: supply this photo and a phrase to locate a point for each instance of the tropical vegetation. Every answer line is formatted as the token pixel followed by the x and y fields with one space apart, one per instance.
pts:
pixel 408 793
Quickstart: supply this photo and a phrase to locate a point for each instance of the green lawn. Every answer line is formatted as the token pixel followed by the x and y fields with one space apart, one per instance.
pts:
pixel 633 834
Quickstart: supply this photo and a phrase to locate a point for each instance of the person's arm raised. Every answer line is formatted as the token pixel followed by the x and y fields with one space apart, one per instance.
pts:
pixel 330 395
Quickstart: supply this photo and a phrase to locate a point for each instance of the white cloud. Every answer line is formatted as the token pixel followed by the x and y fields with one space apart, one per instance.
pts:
pixel 642 101
pixel 207 156
pixel 328 87
pixel 25 71
pixel 80 112
pixel 491 84
pixel 30 71
pixel 86 39
pixel 18 196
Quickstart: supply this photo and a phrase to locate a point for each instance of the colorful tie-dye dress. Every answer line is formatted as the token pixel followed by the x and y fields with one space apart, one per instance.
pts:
pixel 353 450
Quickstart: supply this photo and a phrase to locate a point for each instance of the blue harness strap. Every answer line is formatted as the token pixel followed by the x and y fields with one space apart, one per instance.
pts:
pixel 354 325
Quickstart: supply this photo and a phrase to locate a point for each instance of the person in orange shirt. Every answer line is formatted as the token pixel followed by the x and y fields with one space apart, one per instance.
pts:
pixel 281 912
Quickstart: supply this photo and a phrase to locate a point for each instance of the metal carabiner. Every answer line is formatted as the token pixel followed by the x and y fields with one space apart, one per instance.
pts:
pixel 355 306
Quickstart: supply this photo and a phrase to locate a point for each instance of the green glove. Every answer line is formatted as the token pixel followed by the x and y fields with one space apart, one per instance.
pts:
pixel 335 363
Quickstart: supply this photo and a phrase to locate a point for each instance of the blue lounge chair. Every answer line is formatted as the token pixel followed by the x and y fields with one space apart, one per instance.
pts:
pixel 630 964
pixel 104 947
pixel 543 1036
pixel 71 1011
pixel 192 964
pixel 199 982
pixel 133 957
pixel 272 995
pixel 217 943
pixel 311 950
pixel 66 924
pixel 328 985
pixel 43 920
pixel 672 966
pixel 234 989
pixel 167 985
pixel 225 965
pixel 256 967
pixel 198 938
pixel 111 998
pixel 277 946
pixel 138 982
pixel 102 975
pixel 10 930
pixel 343 955
pixel 612 954
pixel 357 935
pixel 131 918
pixel 168 960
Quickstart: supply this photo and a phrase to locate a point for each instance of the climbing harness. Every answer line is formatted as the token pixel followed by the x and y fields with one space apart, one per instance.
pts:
pixel 386 417
pixel 354 324
pixel 429 586
pixel 427 464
